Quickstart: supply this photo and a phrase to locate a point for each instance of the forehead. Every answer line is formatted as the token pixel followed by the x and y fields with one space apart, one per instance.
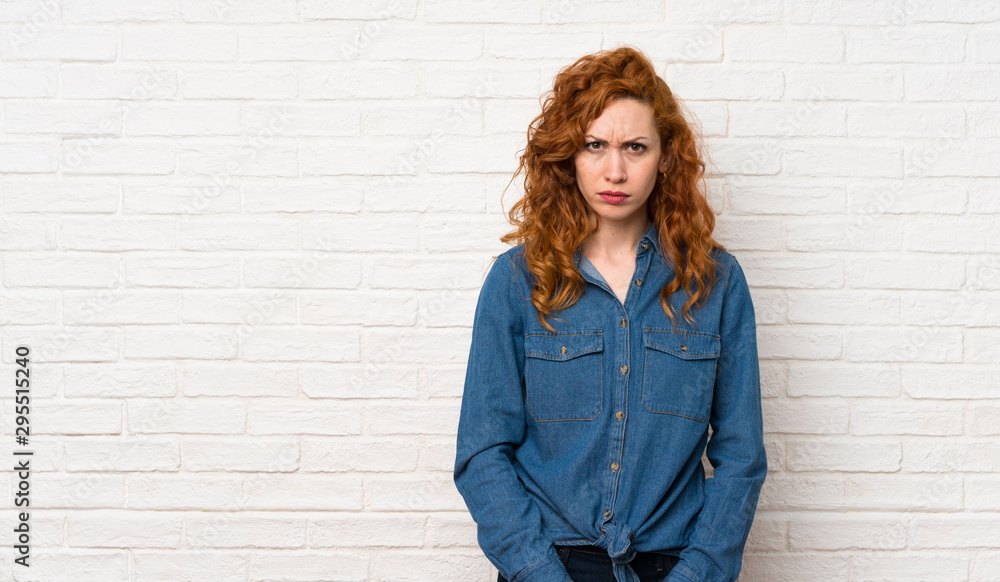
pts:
pixel 624 118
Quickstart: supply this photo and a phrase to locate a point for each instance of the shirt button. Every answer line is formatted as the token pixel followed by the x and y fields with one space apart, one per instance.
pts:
pixel 624 323
pixel 684 348
pixel 624 370
pixel 645 246
pixel 614 467
pixel 619 415
pixel 638 281
pixel 563 350
pixel 607 513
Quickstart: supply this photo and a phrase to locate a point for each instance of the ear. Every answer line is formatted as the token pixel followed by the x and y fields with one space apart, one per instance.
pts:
pixel 665 161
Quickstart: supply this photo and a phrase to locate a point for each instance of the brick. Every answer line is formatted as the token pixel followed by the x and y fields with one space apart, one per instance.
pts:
pixel 66 343
pixel 371 530
pixel 715 12
pixel 113 454
pixel 416 345
pixel 779 198
pixel 205 233
pixel 179 43
pixel 79 490
pixel 270 417
pixel 173 491
pixel 245 308
pixel 241 82
pixel 29 80
pixel 789 493
pixel 190 118
pixel 799 342
pixel 850 12
pixel 838 532
pixel 361 233
pixel 912 44
pixel 76 417
pixel 903 344
pixel 453 117
pixel 359 81
pixel 359 308
pixel 260 155
pixel 125 156
pixel 304 195
pixel 124 529
pixel 455 80
pixel 311 119
pixel 903 272
pixel 374 10
pixel 302 566
pixel 306 270
pixel 81 11
pixel 519 43
pixel 341 455
pixel 906 419
pixel 775 270
pixel 63 117
pixel 903 493
pixel 963 11
pixel 811 119
pixel 862 308
pixel 34 307
pixel 293 344
pixel 28 157
pixel 368 156
pixel 982 195
pixel 937 456
pixel 935 197
pixel 118 233
pixel 62 196
pixel 377 378
pixel 982 493
pixel 192 270
pixel 199 342
pixel 784 44
pixel 983 419
pixel 67 43
pixel 301 42
pixel 117 81
pixel 414 492
pixel 119 380
pixel 952 84
pixel 952 234
pixel 392 418
pixel 236 454
pixel 825 234
pixel 671 44
pixel 856 455
pixel 445 530
pixel 724 81
pixel 951 382
pixel 948 308
pixel 563 11
pixel 192 565
pixel 202 415
pixel 203 195
pixel 984 46
pixel 244 11
pixel 806 416
pixel 237 379
pixel 959 531
pixel 982 346
pixel 471 565
pixel 28 233
pixel 746 157
pixel 304 492
pixel 242 530
pixel 86 565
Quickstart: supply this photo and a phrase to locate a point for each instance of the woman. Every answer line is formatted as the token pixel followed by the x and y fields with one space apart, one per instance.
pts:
pixel 604 346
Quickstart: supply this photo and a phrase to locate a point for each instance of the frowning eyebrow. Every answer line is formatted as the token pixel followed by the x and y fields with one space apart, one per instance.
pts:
pixel 632 140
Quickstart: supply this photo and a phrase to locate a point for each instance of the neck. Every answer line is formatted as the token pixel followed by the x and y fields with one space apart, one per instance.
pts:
pixel 616 239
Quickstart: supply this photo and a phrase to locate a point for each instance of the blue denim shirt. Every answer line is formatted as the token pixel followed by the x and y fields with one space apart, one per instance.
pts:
pixel 594 434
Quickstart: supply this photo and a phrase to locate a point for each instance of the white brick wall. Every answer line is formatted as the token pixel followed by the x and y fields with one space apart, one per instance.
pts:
pixel 244 240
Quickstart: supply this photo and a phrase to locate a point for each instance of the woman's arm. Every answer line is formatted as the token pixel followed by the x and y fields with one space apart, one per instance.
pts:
pixel 492 423
pixel 736 449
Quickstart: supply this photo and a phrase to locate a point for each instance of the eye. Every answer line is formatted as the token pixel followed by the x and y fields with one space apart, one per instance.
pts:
pixel 638 147
pixel 592 145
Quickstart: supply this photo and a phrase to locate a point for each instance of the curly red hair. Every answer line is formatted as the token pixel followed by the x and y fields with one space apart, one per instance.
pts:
pixel 552 218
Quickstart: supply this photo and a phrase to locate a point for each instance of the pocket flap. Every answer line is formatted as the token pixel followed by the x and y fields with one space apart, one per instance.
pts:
pixel 562 346
pixel 689 346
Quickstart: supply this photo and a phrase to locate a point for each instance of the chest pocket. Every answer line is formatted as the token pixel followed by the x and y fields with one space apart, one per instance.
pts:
pixel 679 373
pixel 563 375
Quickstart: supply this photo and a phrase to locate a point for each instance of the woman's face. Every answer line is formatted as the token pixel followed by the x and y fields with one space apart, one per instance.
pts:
pixel 618 167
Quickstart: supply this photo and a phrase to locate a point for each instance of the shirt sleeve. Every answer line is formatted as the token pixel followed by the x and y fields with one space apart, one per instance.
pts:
pixel 491 425
pixel 735 450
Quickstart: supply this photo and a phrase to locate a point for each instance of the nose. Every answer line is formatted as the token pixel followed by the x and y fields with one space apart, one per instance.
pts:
pixel 615 166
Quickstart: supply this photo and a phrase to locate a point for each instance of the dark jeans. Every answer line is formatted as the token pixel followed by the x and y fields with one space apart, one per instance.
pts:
pixel 592 564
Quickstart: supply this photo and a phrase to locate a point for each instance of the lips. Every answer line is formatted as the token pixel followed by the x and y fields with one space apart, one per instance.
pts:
pixel 612 197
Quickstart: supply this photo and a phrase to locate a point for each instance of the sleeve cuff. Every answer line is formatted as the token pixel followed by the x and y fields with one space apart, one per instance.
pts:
pixel 548 569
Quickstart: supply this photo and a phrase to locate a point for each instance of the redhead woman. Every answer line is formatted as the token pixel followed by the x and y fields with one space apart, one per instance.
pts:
pixel 605 345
